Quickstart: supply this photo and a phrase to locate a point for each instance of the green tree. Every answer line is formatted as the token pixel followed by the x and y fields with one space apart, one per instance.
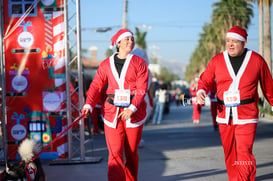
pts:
pixel 265 30
pixel 226 13
pixel 140 39
pixel 108 52
pixel 166 76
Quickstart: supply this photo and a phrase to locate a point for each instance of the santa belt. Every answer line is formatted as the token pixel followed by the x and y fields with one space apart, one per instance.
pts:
pixel 242 102
pixel 111 101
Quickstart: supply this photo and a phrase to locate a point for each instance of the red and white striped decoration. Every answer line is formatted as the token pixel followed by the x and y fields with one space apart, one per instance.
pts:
pixel 59 68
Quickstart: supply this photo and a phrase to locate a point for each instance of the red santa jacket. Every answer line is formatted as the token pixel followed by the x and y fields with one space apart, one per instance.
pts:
pixel 134 76
pixel 252 70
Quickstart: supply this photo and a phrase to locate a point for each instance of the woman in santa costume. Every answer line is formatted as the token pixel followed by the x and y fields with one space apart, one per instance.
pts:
pixel 124 111
pixel 237 72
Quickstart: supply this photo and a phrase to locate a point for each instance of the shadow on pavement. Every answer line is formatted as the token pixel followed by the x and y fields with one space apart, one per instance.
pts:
pixel 174 150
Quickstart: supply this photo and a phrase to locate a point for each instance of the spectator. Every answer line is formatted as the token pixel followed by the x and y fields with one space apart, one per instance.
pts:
pixel 213 105
pixel 160 99
pixel 196 107
pixel 177 96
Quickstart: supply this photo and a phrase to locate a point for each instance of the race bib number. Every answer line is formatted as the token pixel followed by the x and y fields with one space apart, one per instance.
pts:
pixel 232 98
pixel 122 97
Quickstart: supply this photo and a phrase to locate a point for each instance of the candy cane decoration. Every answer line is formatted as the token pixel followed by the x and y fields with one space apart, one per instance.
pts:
pixel 58 72
pixel 48 30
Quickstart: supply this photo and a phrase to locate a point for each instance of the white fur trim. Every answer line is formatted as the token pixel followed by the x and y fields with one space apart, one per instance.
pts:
pixel 115 121
pixel 129 124
pixel 236 36
pixel 123 35
pixel 132 107
pixel 239 122
pixel 120 79
pixel 201 90
pixel 87 106
pixel 235 82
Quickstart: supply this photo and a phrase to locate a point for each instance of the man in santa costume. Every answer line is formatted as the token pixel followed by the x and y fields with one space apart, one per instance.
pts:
pixel 237 72
pixel 124 111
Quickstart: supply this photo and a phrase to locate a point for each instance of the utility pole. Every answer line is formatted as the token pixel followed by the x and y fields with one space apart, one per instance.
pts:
pixel 125 10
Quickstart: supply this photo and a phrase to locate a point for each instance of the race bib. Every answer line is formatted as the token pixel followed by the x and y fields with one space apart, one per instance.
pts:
pixel 122 97
pixel 232 98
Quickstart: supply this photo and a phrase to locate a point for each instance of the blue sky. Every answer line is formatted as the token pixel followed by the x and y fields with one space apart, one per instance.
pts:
pixel 174 25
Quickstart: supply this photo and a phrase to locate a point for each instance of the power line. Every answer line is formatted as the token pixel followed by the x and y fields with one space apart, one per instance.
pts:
pixel 159 41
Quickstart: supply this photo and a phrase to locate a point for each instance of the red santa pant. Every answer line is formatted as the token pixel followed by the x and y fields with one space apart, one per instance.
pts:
pixel 238 142
pixel 120 139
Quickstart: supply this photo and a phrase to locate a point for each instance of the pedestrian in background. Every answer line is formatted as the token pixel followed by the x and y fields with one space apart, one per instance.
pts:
pixel 160 100
pixel 124 111
pixel 213 105
pixel 237 72
pixel 177 96
pixel 196 112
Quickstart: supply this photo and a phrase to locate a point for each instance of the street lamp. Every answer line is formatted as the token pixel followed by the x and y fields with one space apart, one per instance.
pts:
pixel 98 30
pixel 103 30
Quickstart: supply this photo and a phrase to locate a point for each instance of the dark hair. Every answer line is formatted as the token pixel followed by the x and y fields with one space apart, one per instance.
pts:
pixel 117 48
pixel 163 86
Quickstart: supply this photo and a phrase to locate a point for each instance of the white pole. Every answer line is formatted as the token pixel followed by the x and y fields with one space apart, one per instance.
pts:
pixel 80 77
pixel 125 10
pixel 67 72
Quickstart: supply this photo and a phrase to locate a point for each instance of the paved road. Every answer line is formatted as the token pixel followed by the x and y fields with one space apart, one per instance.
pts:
pixel 173 151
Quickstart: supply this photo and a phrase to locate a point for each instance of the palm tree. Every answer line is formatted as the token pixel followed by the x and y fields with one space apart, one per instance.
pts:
pixel 265 30
pixel 261 29
pixel 264 36
pixel 226 13
pixel 267 33
pixel 140 39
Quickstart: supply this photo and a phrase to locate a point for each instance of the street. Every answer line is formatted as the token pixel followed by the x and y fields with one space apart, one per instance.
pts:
pixel 174 150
